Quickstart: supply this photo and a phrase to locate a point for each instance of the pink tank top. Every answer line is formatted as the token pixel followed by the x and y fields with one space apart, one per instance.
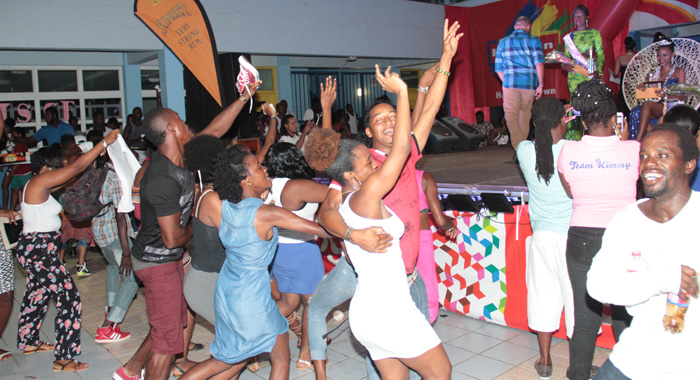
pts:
pixel 422 201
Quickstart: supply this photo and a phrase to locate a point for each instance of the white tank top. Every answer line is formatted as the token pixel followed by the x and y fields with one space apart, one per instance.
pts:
pixel 42 217
pixel 307 212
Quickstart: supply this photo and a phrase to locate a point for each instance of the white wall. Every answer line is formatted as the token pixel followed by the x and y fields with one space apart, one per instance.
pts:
pixel 363 28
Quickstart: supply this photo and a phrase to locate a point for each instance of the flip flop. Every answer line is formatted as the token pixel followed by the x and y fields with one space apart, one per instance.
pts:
pixel 253 364
pixel 42 347
pixel 62 367
pixel 304 364
pixel 5 356
pixel 175 367
pixel 196 347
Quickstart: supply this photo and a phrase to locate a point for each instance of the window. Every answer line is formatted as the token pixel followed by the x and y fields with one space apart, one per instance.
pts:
pixel 100 80
pixel 57 81
pixel 15 81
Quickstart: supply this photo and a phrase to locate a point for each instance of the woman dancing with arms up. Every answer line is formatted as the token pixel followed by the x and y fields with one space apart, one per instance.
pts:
pixel 248 322
pixel 382 289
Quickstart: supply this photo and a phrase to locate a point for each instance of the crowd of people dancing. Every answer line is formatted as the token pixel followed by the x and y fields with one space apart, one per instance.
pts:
pixel 253 218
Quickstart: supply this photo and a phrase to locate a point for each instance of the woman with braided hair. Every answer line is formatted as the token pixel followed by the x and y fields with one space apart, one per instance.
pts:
pixel 547 277
pixel 600 174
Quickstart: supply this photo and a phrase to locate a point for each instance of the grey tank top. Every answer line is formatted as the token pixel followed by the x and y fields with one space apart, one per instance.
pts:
pixel 208 254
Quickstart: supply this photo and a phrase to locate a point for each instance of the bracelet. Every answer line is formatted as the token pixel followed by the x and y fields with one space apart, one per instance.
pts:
pixel 423 89
pixel 347 234
pixel 244 99
pixel 443 72
pixel 104 144
pixel 540 85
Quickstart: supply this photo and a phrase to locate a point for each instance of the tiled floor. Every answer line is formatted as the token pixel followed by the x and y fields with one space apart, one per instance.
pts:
pixel 477 349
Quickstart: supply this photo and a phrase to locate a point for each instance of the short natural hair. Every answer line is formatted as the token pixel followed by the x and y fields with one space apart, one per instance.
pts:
pixel 154 126
pixel 321 147
pixel 686 141
pixel 200 153
pixel 229 171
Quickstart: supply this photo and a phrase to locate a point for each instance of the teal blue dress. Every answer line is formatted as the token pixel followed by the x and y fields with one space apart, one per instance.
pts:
pixel 247 319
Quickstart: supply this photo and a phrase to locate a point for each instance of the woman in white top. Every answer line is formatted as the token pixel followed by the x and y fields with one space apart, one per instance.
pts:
pixel 289 133
pixel 298 266
pixel 37 252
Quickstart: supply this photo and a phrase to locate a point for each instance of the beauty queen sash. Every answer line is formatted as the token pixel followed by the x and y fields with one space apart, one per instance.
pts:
pixel 576 54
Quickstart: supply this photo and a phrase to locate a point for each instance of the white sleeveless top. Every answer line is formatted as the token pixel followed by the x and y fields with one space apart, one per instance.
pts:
pixel 307 212
pixel 42 217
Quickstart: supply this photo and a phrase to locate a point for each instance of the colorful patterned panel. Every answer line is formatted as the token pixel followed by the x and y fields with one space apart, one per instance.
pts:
pixel 471 270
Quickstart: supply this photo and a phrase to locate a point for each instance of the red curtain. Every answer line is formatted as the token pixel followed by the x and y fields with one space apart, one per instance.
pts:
pixel 461 81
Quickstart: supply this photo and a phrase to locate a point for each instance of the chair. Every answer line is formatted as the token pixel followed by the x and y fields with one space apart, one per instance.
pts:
pixel 687 56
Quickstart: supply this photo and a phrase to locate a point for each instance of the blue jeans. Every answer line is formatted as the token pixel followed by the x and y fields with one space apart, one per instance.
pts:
pixel 336 287
pixel 420 297
pixel 119 294
pixel 609 372
pixel 581 247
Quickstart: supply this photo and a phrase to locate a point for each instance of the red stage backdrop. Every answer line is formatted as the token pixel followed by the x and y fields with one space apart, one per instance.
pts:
pixel 485 25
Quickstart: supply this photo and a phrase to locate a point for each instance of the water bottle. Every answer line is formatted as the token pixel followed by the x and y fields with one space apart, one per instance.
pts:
pixel 591 61
pixel 637 263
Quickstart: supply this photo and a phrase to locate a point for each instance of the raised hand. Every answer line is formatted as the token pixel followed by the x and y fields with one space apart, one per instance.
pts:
pixel 389 81
pixel 111 137
pixel 269 109
pixel 254 87
pixel 450 38
pixel 428 75
pixel 328 93
pixel 689 285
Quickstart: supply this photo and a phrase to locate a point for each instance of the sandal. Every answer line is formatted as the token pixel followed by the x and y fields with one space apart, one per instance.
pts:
pixel 77 366
pixel 42 347
pixel 304 364
pixel 5 355
pixel 253 364
pixel 196 347
pixel 295 326
pixel 176 367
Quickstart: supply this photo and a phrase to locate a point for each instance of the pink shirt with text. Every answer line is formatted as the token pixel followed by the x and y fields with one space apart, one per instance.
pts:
pixel 602 173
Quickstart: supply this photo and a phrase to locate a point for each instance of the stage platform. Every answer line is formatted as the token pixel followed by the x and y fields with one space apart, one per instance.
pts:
pixel 489 169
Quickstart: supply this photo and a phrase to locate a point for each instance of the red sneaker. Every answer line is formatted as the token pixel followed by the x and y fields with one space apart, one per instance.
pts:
pixel 248 74
pixel 121 375
pixel 110 335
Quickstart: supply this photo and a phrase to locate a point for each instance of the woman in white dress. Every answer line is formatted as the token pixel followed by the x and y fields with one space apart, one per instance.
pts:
pixel 395 344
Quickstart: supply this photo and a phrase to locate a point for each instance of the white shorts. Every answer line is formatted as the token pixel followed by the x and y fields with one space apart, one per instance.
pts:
pixel 548 285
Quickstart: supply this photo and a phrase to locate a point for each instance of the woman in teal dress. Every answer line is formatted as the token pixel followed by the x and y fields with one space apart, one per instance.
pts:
pixel 248 321
pixel 585 47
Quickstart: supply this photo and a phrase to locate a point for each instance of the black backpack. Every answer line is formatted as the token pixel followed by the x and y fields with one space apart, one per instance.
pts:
pixel 82 199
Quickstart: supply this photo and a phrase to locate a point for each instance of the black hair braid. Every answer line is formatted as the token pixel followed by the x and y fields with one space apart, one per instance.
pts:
pixel 546 115
pixel 596 102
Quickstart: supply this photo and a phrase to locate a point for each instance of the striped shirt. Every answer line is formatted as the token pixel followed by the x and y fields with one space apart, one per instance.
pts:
pixel 516 57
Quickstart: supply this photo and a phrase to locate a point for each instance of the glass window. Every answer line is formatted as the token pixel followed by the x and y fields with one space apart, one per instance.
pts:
pixel 268 84
pixel 101 80
pixel 57 80
pixel 149 79
pixel 15 81
pixel 109 107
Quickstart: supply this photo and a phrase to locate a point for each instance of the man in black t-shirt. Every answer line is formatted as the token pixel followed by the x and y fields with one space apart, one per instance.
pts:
pixel 167 192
